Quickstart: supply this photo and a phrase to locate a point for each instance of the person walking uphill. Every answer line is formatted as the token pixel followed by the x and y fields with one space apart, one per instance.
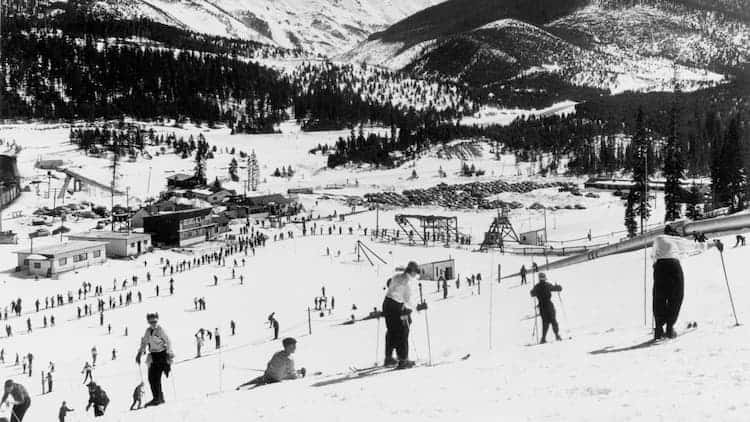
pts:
pixel 19 399
pixel 159 359
pixel 669 280
pixel 543 292
pixel 397 308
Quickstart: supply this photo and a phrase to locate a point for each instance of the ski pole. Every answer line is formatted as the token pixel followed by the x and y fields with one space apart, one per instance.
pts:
pixel 377 342
pixel 427 327
pixel 562 305
pixel 726 278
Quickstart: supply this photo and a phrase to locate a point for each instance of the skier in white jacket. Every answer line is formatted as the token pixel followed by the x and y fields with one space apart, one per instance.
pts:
pixel 397 308
pixel 669 284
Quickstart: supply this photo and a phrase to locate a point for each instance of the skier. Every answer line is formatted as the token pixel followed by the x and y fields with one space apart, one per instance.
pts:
pixel 160 356
pixel 64 409
pixel 198 343
pixel 97 398
pixel 397 308
pixel 137 396
pixel 87 371
pixel 669 281
pixel 740 241
pixel 543 292
pixel 280 367
pixel 232 326
pixel 273 323
pixel 94 354
pixel 523 274
pixel 49 382
pixel 445 289
pixel 217 337
pixel 20 399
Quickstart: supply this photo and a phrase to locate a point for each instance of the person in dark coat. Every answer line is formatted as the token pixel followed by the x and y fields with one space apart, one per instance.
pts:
pixel 20 397
pixel 543 292
pixel 97 398
pixel 64 410
pixel 523 274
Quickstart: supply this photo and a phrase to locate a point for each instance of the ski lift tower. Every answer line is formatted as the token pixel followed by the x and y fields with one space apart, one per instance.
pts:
pixel 500 230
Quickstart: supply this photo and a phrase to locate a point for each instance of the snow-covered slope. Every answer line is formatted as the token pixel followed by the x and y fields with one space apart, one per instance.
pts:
pixel 319 26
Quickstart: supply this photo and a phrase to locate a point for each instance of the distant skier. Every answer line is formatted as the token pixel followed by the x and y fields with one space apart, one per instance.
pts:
pixel 280 367
pixel 740 241
pixel 543 292
pixel 669 280
pixel 397 308
pixel 64 410
pixel 160 357
pixel 217 338
pixel 137 396
pixel 97 398
pixel 523 274
pixel 232 326
pixel 87 373
pixel 198 344
pixel 445 289
pixel 273 323
pixel 20 399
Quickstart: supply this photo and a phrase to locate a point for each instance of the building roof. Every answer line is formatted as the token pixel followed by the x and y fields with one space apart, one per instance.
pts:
pixel 36 257
pixel 182 213
pixel 63 248
pixel 180 177
pixel 107 235
pixel 204 192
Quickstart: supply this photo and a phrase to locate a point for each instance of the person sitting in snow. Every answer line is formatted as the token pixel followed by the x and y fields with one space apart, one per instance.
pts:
pixel 97 398
pixel 280 367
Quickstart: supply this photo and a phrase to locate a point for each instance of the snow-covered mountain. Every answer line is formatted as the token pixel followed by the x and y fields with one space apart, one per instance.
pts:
pixel 605 45
pixel 320 26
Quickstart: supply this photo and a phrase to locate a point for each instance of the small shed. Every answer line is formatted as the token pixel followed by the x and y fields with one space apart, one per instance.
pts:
pixel 432 271
pixel 534 238
pixel 49 260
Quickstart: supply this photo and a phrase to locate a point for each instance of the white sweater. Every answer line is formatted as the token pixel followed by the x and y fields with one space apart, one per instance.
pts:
pixel 400 289
pixel 673 247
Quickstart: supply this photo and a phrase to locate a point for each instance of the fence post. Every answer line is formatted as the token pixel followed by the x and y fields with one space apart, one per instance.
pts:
pixel 309 321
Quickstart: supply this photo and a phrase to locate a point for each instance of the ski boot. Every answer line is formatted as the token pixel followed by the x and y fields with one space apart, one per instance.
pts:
pixel 405 364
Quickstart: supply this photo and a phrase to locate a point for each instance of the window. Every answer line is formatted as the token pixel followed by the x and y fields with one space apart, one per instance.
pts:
pixel 97 253
pixel 63 261
pixel 37 265
pixel 132 244
pixel 25 262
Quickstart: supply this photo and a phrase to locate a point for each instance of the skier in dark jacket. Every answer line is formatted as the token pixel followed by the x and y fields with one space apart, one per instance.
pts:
pixel 64 410
pixel 97 398
pixel 543 292
pixel 397 309
pixel 20 397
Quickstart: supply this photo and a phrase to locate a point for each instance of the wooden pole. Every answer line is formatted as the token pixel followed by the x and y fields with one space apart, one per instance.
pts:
pixel 309 321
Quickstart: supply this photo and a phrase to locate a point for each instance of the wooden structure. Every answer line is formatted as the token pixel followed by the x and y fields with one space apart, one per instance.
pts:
pixel 500 230
pixel 180 228
pixel 431 227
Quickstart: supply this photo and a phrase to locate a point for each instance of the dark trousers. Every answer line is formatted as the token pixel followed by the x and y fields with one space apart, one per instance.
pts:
pixel 669 289
pixel 19 410
pixel 135 401
pixel 397 330
pixel 158 367
pixel 549 317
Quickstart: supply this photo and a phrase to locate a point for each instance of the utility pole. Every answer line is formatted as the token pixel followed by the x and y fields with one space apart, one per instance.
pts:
pixel 377 219
pixel 644 201
pixel 148 187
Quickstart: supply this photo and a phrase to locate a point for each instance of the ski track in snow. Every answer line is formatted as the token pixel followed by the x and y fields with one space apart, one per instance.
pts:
pixel 701 376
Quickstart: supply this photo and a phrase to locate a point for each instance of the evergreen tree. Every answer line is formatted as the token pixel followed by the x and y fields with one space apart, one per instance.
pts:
pixel 674 168
pixel 253 171
pixel 641 164
pixel 630 224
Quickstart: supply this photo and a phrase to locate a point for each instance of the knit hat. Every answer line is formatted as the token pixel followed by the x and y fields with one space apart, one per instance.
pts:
pixel 412 267
pixel 542 277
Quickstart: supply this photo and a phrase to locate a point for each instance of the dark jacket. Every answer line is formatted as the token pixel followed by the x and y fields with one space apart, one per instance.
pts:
pixel 19 393
pixel 543 292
